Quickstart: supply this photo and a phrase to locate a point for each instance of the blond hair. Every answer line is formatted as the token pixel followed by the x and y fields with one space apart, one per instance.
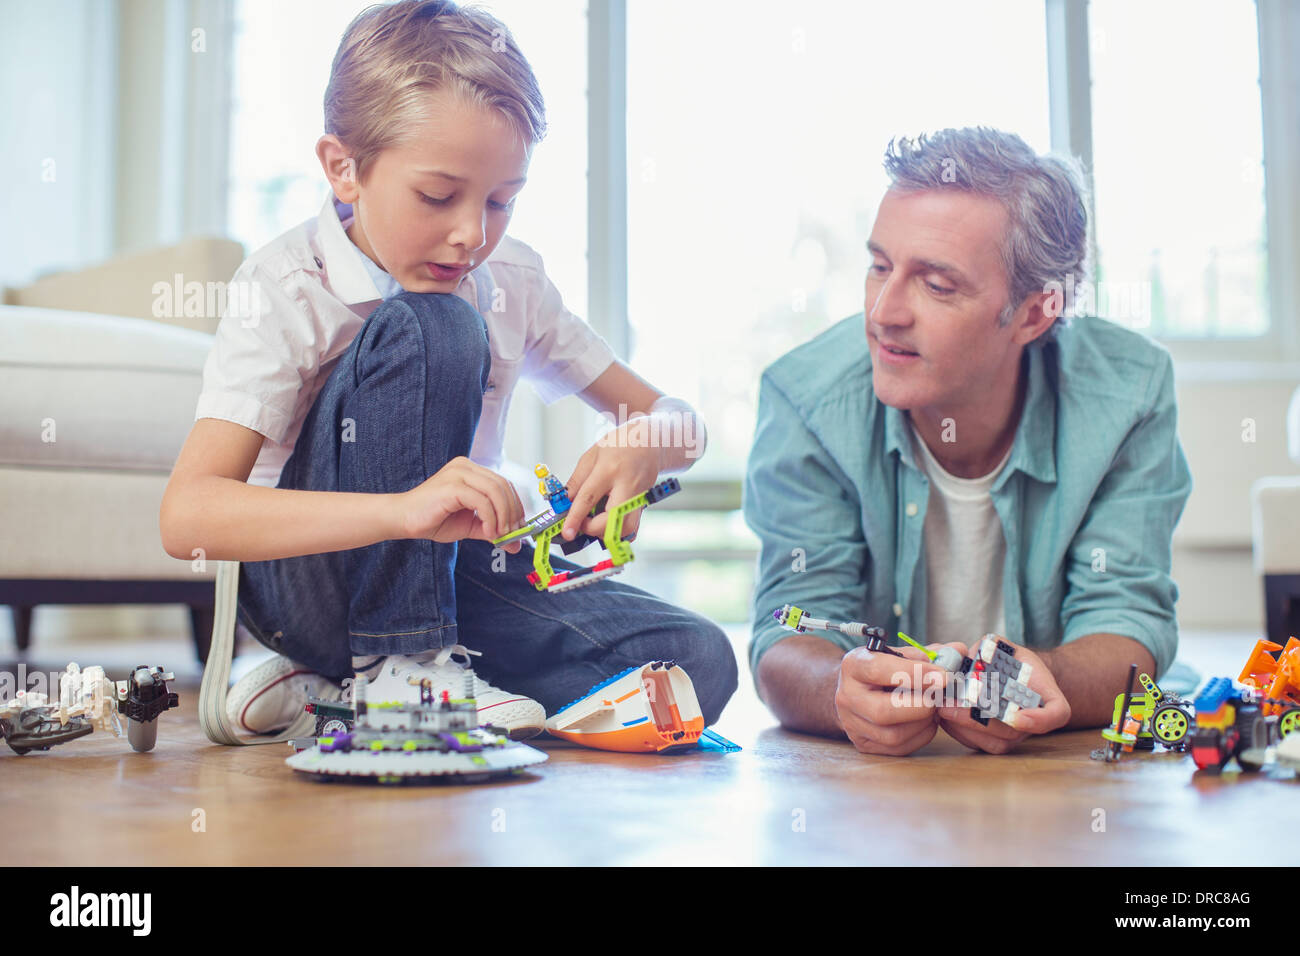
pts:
pixel 393 55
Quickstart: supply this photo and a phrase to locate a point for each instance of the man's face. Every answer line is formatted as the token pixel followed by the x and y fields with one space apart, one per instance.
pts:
pixel 434 208
pixel 935 288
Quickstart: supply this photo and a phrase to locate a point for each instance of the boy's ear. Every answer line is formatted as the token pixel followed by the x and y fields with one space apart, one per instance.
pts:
pixel 340 168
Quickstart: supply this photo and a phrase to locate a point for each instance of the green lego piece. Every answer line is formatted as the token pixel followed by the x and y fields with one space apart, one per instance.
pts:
pixel 929 654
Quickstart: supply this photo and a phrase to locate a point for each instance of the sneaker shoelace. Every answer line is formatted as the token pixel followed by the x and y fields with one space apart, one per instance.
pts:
pixel 445 655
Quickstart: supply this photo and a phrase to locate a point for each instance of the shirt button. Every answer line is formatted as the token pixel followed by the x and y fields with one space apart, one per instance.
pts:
pixel 912 509
pixel 898 610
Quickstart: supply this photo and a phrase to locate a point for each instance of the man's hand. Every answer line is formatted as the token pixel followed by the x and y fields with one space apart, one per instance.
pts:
pixel 621 464
pixel 881 701
pixel 463 500
pixel 997 737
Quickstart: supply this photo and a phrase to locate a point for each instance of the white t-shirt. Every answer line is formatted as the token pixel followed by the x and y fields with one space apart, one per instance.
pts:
pixel 294 307
pixel 965 550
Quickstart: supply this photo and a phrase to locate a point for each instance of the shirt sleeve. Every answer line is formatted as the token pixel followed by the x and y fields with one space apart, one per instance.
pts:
pixel 564 354
pixel 806 513
pixel 1118 566
pixel 261 355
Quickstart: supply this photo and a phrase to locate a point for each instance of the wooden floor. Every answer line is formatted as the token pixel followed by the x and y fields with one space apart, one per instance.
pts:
pixel 787 799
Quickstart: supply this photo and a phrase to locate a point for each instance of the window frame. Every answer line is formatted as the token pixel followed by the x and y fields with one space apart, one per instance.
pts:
pixel 1278 28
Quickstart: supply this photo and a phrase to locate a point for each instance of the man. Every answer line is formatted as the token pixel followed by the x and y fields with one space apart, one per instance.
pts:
pixel 955 462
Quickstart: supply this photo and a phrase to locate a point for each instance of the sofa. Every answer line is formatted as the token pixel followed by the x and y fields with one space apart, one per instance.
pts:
pixel 98 395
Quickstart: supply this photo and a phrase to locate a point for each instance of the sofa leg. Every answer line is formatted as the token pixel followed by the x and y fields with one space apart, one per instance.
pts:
pixel 22 615
pixel 201 619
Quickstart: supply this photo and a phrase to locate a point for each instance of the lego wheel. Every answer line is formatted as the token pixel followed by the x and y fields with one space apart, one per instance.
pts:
pixel 1169 723
pixel 332 727
pixel 1289 722
pixel 19 750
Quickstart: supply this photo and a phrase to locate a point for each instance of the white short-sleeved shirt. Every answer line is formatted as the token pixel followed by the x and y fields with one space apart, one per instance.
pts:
pixel 294 306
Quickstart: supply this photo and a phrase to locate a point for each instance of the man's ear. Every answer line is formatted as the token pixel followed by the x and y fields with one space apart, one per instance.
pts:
pixel 340 168
pixel 1036 315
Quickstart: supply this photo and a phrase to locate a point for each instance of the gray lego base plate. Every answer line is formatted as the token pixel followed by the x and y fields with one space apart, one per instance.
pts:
pixel 416 765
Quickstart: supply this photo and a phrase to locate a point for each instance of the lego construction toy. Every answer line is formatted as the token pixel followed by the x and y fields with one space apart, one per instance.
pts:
pixel 1140 721
pixel 1229 722
pixel 647 709
pixel 1274 672
pixel 992 682
pixel 87 699
pixel 435 740
pixel 544 527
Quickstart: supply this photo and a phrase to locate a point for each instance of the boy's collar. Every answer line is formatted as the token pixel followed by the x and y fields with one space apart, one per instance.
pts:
pixel 354 276
pixel 348 276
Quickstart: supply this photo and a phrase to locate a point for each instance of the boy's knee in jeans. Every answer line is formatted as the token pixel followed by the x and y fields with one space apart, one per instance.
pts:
pixel 451 328
pixel 705 652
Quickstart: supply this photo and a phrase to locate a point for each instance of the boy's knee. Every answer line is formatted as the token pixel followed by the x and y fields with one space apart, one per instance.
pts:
pixel 706 654
pixel 451 331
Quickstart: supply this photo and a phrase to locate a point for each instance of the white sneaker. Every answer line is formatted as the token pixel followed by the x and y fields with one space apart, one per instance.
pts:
pixel 399 679
pixel 272 696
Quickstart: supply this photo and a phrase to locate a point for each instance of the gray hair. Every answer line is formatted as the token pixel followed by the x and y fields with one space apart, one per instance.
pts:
pixel 1044 196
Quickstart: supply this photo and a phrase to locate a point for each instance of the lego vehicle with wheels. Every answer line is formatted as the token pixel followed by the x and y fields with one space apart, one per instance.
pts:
pixel 1142 720
pixel 1229 722
pixel 1273 671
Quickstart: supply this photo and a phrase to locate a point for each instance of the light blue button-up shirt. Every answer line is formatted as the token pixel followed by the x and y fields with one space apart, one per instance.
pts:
pixel 1088 500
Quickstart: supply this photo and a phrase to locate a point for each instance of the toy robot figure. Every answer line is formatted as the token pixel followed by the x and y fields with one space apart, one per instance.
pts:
pixel 141 698
pixel 552 490
pixel 87 699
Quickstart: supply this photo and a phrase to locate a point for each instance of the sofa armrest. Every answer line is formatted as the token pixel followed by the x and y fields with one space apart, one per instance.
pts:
pixel 1275 517
pixel 125 285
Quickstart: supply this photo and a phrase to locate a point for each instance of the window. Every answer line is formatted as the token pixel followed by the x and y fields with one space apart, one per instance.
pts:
pixel 1178 167
pixel 755 137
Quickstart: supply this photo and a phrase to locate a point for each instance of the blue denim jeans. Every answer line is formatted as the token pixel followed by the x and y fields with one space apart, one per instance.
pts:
pixel 403 400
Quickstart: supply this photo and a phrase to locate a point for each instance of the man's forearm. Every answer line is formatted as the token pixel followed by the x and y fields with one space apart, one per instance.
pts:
pixel 1092 670
pixel 797 679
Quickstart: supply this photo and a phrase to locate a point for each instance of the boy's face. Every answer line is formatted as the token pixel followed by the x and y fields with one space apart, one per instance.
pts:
pixel 437 206
pixel 934 290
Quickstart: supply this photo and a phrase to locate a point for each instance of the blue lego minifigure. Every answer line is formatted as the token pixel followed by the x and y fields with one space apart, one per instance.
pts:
pixel 551 488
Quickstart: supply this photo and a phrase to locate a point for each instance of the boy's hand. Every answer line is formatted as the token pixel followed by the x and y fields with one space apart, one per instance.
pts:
pixel 463 500
pixel 621 464
pixel 997 737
